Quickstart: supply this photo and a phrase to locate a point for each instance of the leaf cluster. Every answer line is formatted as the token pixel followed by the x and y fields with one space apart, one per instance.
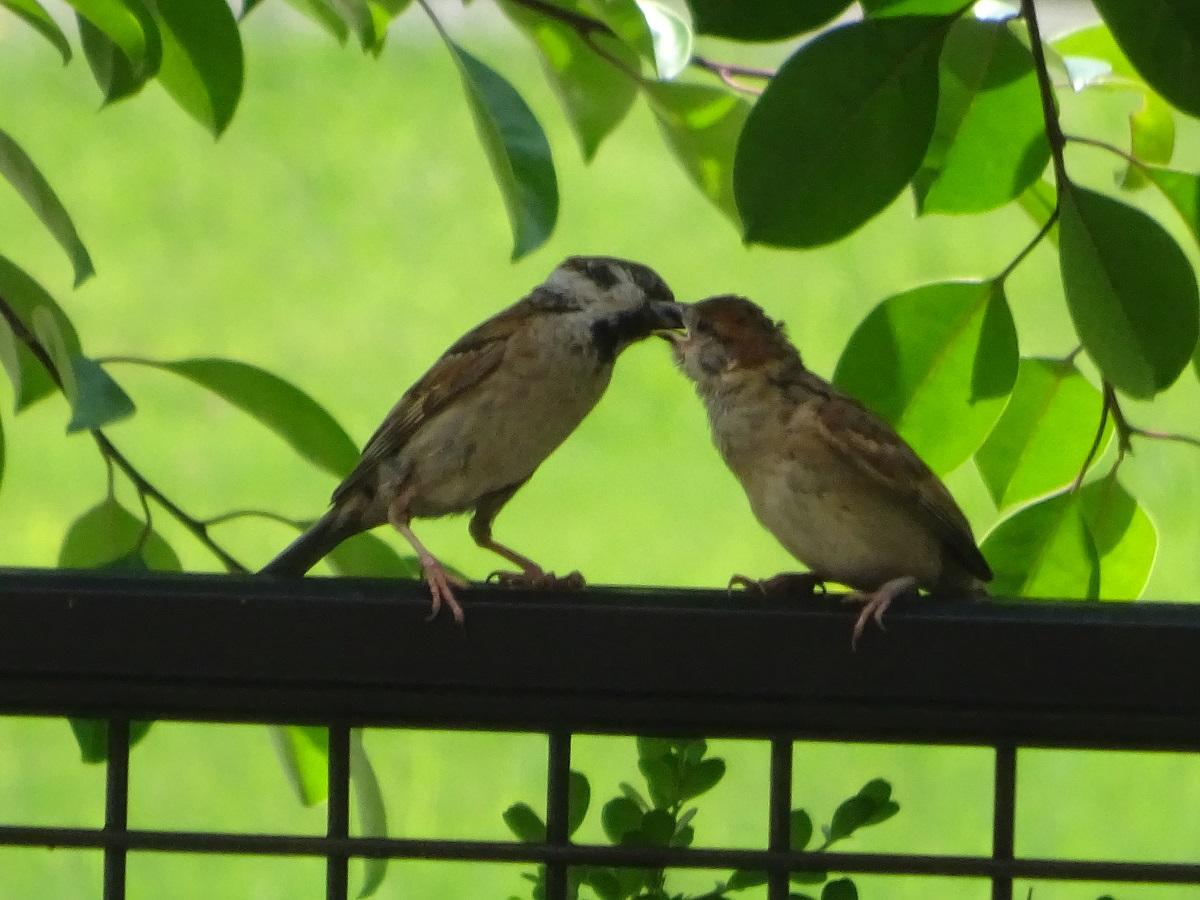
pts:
pixel 675 772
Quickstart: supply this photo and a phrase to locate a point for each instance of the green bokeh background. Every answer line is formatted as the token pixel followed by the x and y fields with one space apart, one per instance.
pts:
pixel 341 234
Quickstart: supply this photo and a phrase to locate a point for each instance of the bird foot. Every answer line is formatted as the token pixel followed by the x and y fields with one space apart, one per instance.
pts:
pixel 440 583
pixel 785 584
pixel 538 579
pixel 876 603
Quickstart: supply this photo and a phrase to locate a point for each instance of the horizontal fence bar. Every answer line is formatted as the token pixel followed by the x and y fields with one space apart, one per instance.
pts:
pixel 588 854
pixel 253 648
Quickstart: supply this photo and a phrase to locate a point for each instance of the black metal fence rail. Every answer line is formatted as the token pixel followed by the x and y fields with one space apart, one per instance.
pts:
pixel 352 653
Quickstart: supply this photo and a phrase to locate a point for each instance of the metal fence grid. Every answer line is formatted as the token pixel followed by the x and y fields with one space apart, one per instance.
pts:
pixel 354 653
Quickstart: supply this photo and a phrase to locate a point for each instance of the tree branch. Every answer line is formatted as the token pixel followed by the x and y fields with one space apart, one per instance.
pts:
pixel 1094 449
pixel 114 456
pixel 730 72
pixel 1054 132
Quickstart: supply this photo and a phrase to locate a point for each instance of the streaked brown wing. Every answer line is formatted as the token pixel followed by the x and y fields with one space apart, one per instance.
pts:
pixel 469 361
pixel 873 447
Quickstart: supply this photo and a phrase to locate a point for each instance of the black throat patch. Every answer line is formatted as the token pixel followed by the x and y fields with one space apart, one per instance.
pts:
pixel 612 333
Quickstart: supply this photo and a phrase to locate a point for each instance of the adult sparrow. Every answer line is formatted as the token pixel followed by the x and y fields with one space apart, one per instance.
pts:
pixel 473 429
pixel 831 480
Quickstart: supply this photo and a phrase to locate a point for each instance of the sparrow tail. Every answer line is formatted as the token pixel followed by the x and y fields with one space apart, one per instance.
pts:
pixel 307 550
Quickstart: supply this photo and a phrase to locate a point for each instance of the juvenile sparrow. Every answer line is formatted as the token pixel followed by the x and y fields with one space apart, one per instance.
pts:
pixel 474 428
pixel 831 480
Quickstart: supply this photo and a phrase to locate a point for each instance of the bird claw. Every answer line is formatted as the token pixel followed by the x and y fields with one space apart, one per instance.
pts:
pixel 875 604
pixel 538 580
pixel 785 584
pixel 441 592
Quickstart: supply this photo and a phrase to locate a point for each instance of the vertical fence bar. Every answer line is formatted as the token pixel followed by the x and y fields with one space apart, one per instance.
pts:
pixel 779 829
pixel 116 806
pixel 338 821
pixel 1004 822
pixel 558 778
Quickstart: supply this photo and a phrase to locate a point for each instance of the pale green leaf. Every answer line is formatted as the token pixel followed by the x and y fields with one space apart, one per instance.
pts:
pixel 839 131
pixel 292 414
pixel 1130 289
pixel 672 37
pixel 1039 201
pixel 36 17
pixel 1126 540
pixel 109 536
pixel 989 141
pixel 303 752
pixel 1152 137
pixel 23 174
pixel 201 59
pixel 595 94
pixel 937 362
pixel 1182 189
pixel 323 13
pixel 517 149
pixel 372 814
pixel 626 19
pixel 1044 550
pixel 1047 428
pixel 701 124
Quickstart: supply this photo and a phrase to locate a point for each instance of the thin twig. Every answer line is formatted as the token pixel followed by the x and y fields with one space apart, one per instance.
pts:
pixel 257 514
pixel 1124 445
pixel 730 72
pixel 1164 436
pixel 1095 448
pixel 1105 145
pixel 1037 239
pixel 1054 133
pixel 115 456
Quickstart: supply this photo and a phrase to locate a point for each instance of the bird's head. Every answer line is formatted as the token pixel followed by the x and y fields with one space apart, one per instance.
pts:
pixel 622 301
pixel 726 334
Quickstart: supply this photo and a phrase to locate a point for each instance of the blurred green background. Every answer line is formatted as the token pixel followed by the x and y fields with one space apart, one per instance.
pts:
pixel 342 233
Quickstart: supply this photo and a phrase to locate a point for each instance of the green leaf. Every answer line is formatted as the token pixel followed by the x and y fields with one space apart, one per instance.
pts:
pixel 23 174
pixel 92 737
pixel 1130 289
pixel 653 748
pixel 671 35
pixel 303 752
pixel 701 125
pixel 989 142
pixel 842 889
pixel 892 8
pixel 800 829
pixel 128 25
pixel 1162 40
pixel 116 76
pixel 1 450
pixel 1039 201
pixel 323 13
pixel 839 131
pixel 292 414
pixel 595 94
pixel 372 814
pixel 1125 538
pixel 42 22
pixel 634 795
pixel 30 380
pixel 938 353
pixel 579 796
pixel 603 881
pixel 1152 138
pixel 517 149
pixel 1044 550
pixel 701 777
pixel 366 554
pixel 109 536
pixel 201 59
pixel 746 878
pixel 1182 189
pixel 1044 434
pixel 96 400
pixel 628 22
pixel 662 780
pixel 762 20
pixel 619 817
pixel 658 827
pixel 382 13
pixel 523 822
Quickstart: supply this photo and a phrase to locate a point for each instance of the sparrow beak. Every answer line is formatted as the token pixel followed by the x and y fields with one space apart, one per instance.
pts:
pixel 668 319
